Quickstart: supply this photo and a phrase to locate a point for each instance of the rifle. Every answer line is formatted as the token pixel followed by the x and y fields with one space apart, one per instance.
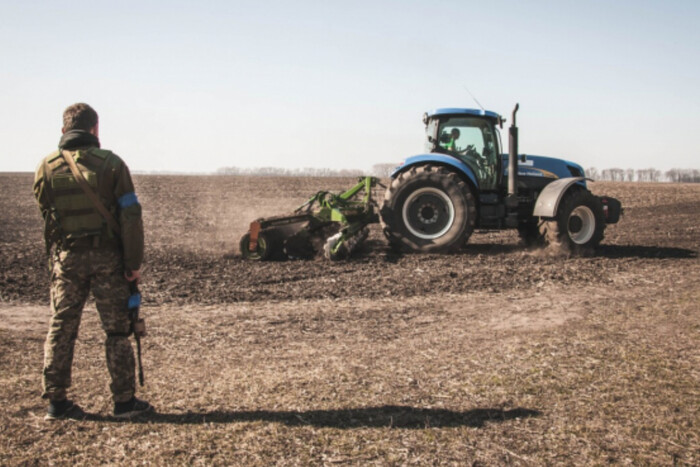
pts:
pixel 138 325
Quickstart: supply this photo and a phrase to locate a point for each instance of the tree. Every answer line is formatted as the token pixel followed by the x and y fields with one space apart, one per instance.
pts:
pixel 648 175
pixel 674 175
pixel 613 175
pixel 383 170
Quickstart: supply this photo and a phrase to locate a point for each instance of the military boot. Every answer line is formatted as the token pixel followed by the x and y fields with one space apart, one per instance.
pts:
pixel 63 409
pixel 131 408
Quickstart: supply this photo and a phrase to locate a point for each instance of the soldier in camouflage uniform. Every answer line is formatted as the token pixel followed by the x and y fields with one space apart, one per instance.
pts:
pixel 86 254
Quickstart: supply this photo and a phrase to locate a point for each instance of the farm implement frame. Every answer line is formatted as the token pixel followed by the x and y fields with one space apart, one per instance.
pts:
pixel 328 224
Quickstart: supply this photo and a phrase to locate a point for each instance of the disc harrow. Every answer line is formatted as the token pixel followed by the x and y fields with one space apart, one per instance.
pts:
pixel 328 224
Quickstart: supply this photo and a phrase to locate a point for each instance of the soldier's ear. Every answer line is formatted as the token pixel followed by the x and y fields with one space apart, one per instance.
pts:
pixel 63 131
pixel 96 130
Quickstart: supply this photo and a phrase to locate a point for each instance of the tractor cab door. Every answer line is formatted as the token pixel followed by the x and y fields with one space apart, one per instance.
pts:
pixel 474 141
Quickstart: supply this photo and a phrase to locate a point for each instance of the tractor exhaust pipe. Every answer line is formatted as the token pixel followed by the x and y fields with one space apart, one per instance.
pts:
pixel 512 199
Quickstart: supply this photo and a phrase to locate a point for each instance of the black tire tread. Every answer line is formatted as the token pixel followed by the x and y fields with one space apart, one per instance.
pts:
pixel 436 175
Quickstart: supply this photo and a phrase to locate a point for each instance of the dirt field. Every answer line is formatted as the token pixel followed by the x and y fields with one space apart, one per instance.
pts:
pixel 497 355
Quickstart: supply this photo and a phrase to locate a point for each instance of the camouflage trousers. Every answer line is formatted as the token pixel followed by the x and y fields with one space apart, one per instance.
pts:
pixel 75 273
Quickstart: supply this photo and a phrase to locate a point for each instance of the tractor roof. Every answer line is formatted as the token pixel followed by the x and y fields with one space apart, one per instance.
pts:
pixel 458 111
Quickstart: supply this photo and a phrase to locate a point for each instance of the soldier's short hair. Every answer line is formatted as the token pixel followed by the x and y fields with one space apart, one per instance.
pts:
pixel 79 116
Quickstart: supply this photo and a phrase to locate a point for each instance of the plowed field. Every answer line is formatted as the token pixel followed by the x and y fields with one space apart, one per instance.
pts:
pixel 500 354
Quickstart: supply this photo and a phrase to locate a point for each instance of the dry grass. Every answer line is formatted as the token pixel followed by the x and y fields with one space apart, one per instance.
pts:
pixel 479 378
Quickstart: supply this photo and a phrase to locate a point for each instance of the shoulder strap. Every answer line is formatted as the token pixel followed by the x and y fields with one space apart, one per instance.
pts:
pixel 111 221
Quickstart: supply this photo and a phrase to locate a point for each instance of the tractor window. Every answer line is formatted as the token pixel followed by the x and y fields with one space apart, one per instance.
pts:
pixel 473 141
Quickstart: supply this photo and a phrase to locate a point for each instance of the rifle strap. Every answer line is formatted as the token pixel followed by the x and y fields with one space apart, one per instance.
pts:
pixel 111 221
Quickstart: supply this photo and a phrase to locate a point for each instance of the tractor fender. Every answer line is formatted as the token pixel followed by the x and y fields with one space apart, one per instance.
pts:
pixel 440 159
pixel 548 201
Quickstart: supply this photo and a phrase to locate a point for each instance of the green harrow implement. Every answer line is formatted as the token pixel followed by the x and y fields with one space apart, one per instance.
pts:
pixel 330 224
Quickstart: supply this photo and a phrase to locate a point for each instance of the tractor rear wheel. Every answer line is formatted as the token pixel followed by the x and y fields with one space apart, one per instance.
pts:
pixel 428 209
pixel 579 225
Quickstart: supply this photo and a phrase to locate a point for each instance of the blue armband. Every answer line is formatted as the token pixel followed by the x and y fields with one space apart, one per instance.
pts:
pixel 129 199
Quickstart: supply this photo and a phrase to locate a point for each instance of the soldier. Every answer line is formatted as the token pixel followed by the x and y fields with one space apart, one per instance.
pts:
pixel 86 253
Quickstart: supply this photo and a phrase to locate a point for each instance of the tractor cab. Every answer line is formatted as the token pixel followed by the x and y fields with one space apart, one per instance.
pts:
pixel 471 136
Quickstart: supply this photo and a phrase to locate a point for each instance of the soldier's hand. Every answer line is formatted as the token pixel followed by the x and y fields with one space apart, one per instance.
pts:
pixel 132 276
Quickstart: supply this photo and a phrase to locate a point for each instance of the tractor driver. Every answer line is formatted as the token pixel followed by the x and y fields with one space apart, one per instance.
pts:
pixel 451 145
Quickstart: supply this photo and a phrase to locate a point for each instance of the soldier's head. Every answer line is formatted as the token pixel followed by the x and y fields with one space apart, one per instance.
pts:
pixel 80 117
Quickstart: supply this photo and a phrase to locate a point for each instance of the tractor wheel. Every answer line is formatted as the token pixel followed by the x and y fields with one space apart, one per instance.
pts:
pixel 579 225
pixel 428 209
pixel 269 246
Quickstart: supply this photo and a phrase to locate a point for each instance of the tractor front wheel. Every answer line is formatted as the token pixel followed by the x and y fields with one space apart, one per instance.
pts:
pixel 579 225
pixel 428 209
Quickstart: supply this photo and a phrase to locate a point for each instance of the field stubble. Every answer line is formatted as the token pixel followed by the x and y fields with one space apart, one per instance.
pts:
pixel 498 354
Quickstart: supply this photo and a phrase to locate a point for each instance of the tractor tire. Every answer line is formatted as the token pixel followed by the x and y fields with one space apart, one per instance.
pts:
pixel 269 246
pixel 428 209
pixel 579 225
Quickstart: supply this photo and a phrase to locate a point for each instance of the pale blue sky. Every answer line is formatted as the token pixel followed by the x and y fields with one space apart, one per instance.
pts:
pixel 194 86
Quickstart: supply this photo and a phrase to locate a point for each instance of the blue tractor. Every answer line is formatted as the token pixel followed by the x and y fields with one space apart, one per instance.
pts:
pixel 462 182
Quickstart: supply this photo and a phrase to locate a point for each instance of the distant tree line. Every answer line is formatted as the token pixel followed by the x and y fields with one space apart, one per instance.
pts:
pixel 384 170
pixel 378 170
pixel 644 175
pixel 280 172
